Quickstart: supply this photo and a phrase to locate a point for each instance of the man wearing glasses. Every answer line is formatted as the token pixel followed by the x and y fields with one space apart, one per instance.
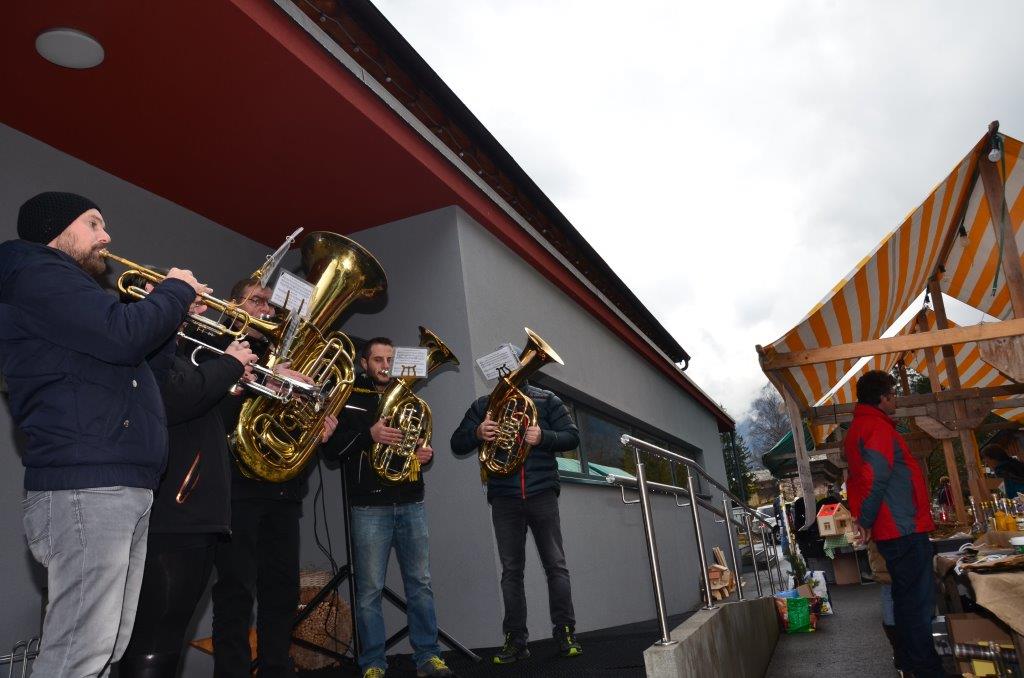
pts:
pixel 889 502
pixel 260 562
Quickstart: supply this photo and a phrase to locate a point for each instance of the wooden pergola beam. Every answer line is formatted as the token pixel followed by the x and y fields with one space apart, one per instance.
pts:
pixel 897 344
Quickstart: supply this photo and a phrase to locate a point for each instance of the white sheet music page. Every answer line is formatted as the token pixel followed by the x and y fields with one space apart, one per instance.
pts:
pixel 505 358
pixel 409 361
pixel 292 292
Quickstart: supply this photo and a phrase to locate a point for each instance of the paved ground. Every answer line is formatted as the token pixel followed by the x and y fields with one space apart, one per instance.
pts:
pixel 848 643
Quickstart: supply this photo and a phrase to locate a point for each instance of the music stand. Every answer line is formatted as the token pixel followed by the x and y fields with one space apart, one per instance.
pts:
pixel 347 572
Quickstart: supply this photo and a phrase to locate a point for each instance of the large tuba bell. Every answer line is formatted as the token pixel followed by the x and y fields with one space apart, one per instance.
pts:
pixel 274 439
pixel 514 411
pixel 402 409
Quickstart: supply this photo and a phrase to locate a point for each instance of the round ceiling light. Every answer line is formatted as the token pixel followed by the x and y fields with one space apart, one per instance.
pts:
pixel 69 48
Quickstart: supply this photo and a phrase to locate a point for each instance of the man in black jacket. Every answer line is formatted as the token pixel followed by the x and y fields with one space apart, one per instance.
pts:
pixel 385 516
pixel 260 562
pixel 528 499
pixel 85 396
pixel 191 508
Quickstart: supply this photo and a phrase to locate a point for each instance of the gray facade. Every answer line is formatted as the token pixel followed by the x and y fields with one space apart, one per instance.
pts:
pixel 447 272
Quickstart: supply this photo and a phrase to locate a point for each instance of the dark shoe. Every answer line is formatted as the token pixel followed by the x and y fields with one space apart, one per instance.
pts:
pixel 163 665
pixel 511 652
pixel 567 645
pixel 433 668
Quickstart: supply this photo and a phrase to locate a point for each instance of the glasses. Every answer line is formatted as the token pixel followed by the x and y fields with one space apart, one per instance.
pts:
pixel 259 301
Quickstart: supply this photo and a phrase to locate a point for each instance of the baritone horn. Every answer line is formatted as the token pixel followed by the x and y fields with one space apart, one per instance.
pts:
pixel 514 411
pixel 402 409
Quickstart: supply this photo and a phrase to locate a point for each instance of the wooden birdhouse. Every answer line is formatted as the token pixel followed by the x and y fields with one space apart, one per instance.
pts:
pixel 834 520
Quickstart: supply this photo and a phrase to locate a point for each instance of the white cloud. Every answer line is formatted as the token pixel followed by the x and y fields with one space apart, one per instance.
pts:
pixel 731 161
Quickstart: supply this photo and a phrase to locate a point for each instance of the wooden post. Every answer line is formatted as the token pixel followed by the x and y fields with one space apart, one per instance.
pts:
pixel 968 443
pixel 1009 263
pixel 947 445
pixel 901 365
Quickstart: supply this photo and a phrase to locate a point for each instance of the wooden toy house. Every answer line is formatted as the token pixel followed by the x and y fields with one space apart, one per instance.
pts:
pixel 834 520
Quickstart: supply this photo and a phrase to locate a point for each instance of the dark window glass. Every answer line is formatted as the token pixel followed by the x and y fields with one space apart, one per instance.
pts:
pixel 599 438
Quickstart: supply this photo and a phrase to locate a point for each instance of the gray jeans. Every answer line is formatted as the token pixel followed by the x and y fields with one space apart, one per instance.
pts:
pixel 93 545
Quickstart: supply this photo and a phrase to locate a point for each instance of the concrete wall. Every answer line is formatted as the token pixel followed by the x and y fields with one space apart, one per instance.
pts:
pixel 735 640
pixel 448 273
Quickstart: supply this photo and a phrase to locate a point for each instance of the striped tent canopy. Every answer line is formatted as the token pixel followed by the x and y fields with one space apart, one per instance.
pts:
pixel 973 371
pixel 868 301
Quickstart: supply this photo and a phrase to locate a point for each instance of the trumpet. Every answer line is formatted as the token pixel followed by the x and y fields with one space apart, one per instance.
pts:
pixel 239 321
pixel 268 383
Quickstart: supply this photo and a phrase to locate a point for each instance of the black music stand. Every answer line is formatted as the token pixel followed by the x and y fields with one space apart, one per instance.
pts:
pixel 347 572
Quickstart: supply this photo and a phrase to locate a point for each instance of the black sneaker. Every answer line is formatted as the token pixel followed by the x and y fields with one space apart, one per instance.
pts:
pixel 511 652
pixel 567 645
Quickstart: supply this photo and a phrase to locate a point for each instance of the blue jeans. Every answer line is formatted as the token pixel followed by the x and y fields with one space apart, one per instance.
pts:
pixel 92 543
pixel 909 561
pixel 375 530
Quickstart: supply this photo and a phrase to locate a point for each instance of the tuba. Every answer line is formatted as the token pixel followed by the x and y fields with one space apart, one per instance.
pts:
pixel 402 409
pixel 514 411
pixel 274 439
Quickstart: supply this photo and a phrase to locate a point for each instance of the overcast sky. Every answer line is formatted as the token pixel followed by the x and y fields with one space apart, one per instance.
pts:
pixel 731 161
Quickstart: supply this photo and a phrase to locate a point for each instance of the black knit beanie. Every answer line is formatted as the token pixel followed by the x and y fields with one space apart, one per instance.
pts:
pixel 43 217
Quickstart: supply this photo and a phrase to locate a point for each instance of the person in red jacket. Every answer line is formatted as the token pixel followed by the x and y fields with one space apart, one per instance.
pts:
pixel 889 502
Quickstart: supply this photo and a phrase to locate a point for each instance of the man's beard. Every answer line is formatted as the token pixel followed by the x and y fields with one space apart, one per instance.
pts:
pixel 89 259
pixel 93 262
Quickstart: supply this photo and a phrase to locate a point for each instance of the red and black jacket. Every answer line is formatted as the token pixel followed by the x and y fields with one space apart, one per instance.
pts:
pixel 886 488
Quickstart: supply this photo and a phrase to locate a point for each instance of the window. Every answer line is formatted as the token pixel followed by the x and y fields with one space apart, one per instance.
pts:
pixel 600 451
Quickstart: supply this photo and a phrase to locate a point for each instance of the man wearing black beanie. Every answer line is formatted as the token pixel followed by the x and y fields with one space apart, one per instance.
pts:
pixel 80 368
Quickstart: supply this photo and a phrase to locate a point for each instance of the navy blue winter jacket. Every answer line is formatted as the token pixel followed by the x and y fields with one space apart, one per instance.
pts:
pixel 75 362
pixel 558 433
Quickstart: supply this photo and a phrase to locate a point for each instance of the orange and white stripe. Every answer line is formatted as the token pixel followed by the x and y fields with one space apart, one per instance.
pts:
pixel 865 303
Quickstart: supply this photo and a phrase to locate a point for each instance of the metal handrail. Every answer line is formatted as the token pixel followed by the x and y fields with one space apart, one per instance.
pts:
pixel 29 649
pixel 629 440
pixel 630 482
pixel 696 502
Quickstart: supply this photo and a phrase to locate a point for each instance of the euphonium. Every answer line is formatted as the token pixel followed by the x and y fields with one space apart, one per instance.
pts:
pixel 514 411
pixel 273 439
pixel 402 409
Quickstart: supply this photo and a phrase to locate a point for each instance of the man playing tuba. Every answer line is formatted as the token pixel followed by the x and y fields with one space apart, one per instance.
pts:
pixel 385 515
pixel 528 498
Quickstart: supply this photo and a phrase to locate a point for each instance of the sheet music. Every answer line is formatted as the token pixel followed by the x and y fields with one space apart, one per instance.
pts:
pixel 493 363
pixel 409 361
pixel 292 292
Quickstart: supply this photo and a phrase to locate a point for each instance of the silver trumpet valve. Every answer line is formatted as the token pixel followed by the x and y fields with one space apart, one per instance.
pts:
pixel 268 383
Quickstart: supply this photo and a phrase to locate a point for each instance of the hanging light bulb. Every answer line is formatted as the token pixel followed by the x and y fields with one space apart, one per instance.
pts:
pixel 995 153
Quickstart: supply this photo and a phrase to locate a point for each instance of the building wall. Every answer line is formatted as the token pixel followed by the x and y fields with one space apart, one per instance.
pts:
pixel 448 273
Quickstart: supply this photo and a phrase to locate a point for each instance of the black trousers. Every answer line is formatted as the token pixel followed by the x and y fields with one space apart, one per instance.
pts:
pixel 511 517
pixel 259 563
pixel 909 561
pixel 176 572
